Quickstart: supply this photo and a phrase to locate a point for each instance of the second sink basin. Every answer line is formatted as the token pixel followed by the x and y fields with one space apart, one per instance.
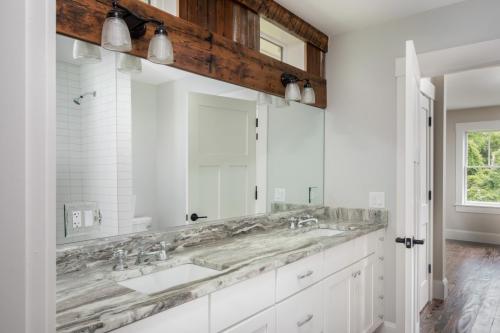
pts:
pixel 168 278
pixel 323 232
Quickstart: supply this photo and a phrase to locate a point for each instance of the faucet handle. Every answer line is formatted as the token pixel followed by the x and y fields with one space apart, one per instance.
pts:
pixel 120 257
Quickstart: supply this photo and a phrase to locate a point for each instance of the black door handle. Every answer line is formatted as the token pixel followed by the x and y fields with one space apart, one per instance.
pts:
pixel 418 241
pixel 405 240
pixel 195 217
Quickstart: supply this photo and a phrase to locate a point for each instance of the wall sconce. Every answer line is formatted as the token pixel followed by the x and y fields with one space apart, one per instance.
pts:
pixel 121 25
pixel 292 90
pixel 86 53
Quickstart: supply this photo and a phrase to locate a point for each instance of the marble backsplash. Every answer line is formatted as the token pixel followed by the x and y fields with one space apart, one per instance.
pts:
pixel 83 255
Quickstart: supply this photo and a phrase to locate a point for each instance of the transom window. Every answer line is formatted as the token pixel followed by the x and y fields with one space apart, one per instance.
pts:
pixel 478 164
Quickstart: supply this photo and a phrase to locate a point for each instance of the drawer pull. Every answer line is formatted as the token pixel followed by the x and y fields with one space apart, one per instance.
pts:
pixel 305 320
pixel 381 277
pixel 304 275
pixel 381 297
pixel 381 316
pixel 381 258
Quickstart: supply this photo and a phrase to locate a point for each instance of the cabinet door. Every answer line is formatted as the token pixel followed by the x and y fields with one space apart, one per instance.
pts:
pixel 302 313
pixel 337 302
pixel 362 293
pixel 264 322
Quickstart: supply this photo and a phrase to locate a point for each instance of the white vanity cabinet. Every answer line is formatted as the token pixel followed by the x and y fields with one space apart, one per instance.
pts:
pixel 264 322
pixel 191 317
pixel 339 290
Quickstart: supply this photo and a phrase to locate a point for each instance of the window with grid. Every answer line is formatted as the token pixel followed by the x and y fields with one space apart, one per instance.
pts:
pixel 482 167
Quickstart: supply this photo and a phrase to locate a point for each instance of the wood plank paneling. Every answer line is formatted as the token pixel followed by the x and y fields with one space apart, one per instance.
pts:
pixel 289 21
pixel 221 59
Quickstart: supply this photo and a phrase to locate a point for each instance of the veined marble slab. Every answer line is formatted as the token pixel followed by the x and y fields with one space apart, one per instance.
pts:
pixel 89 299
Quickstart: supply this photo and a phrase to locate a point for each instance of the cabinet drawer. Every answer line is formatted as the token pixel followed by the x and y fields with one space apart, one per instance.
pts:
pixel 301 313
pixel 298 275
pixel 264 322
pixel 235 303
pixel 191 317
pixel 338 258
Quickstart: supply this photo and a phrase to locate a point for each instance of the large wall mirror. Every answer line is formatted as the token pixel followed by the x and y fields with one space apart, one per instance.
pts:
pixel 144 147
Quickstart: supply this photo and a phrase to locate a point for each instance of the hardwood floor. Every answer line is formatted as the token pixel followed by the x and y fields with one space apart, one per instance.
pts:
pixel 473 303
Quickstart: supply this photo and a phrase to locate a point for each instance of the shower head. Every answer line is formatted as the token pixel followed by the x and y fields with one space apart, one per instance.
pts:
pixel 78 100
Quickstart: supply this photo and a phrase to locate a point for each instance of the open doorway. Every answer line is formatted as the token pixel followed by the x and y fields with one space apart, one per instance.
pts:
pixel 470 160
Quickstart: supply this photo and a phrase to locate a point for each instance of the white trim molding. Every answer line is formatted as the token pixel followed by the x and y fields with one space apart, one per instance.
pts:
pixel 440 289
pixel 473 236
pixel 387 327
pixel 478 209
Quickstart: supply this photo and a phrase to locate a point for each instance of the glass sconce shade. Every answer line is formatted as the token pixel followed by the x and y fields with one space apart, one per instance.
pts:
pixel 160 49
pixel 292 92
pixel 115 34
pixel 128 64
pixel 86 53
pixel 308 95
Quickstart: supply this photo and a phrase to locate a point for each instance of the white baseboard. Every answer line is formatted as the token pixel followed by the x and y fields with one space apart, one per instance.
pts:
pixel 387 327
pixel 440 289
pixel 473 236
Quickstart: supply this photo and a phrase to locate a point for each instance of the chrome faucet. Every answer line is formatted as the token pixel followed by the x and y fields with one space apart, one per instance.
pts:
pixel 160 255
pixel 293 222
pixel 120 256
pixel 306 219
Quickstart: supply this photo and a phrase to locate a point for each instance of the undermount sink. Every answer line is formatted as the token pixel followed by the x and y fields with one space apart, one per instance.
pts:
pixel 323 232
pixel 168 278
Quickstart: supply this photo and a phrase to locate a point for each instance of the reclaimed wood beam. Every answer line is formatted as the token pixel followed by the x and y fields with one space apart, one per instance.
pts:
pixel 196 49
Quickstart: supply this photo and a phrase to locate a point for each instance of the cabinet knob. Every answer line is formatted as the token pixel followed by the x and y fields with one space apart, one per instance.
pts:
pixel 305 274
pixel 381 277
pixel 381 258
pixel 381 239
pixel 305 320
pixel 381 316
pixel 381 297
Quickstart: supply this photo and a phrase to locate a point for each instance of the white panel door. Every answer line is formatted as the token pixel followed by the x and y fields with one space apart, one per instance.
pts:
pixel 222 142
pixel 337 302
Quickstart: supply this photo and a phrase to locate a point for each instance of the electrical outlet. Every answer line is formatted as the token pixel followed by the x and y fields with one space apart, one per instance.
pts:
pixel 77 219
pixel 279 194
pixel 377 200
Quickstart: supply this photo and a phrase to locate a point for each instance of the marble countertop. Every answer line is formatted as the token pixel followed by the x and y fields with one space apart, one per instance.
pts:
pixel 91 300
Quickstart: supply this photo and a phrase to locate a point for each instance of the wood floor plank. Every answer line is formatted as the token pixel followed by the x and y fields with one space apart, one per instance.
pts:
pixel 473 303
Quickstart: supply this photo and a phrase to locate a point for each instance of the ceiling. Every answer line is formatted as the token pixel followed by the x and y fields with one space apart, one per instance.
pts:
pixel 474 88
pixel 339 16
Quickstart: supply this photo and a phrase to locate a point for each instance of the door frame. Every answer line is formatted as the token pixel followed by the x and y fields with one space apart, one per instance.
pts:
pixel 429 91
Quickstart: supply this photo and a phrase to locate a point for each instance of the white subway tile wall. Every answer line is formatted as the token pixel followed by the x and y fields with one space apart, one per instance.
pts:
pixel 94 143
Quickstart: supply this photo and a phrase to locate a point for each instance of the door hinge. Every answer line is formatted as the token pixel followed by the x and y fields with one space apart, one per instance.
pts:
pixel 187 218
pixel 430 195
pixel 430 121
pixel 256 193
pixel 257 136
pixel 256 122
pixel 430 268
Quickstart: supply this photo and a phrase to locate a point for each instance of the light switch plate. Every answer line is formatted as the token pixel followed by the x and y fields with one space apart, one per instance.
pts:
pixel 88 218
pixel 279 194
pixel 376 200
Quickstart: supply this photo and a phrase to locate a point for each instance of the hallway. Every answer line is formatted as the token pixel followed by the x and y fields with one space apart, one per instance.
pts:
pixel 473 304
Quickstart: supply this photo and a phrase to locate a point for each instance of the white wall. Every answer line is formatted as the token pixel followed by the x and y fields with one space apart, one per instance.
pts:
pixel 144 110
pixel 295 153
pixel 361 117
pixel 462 225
